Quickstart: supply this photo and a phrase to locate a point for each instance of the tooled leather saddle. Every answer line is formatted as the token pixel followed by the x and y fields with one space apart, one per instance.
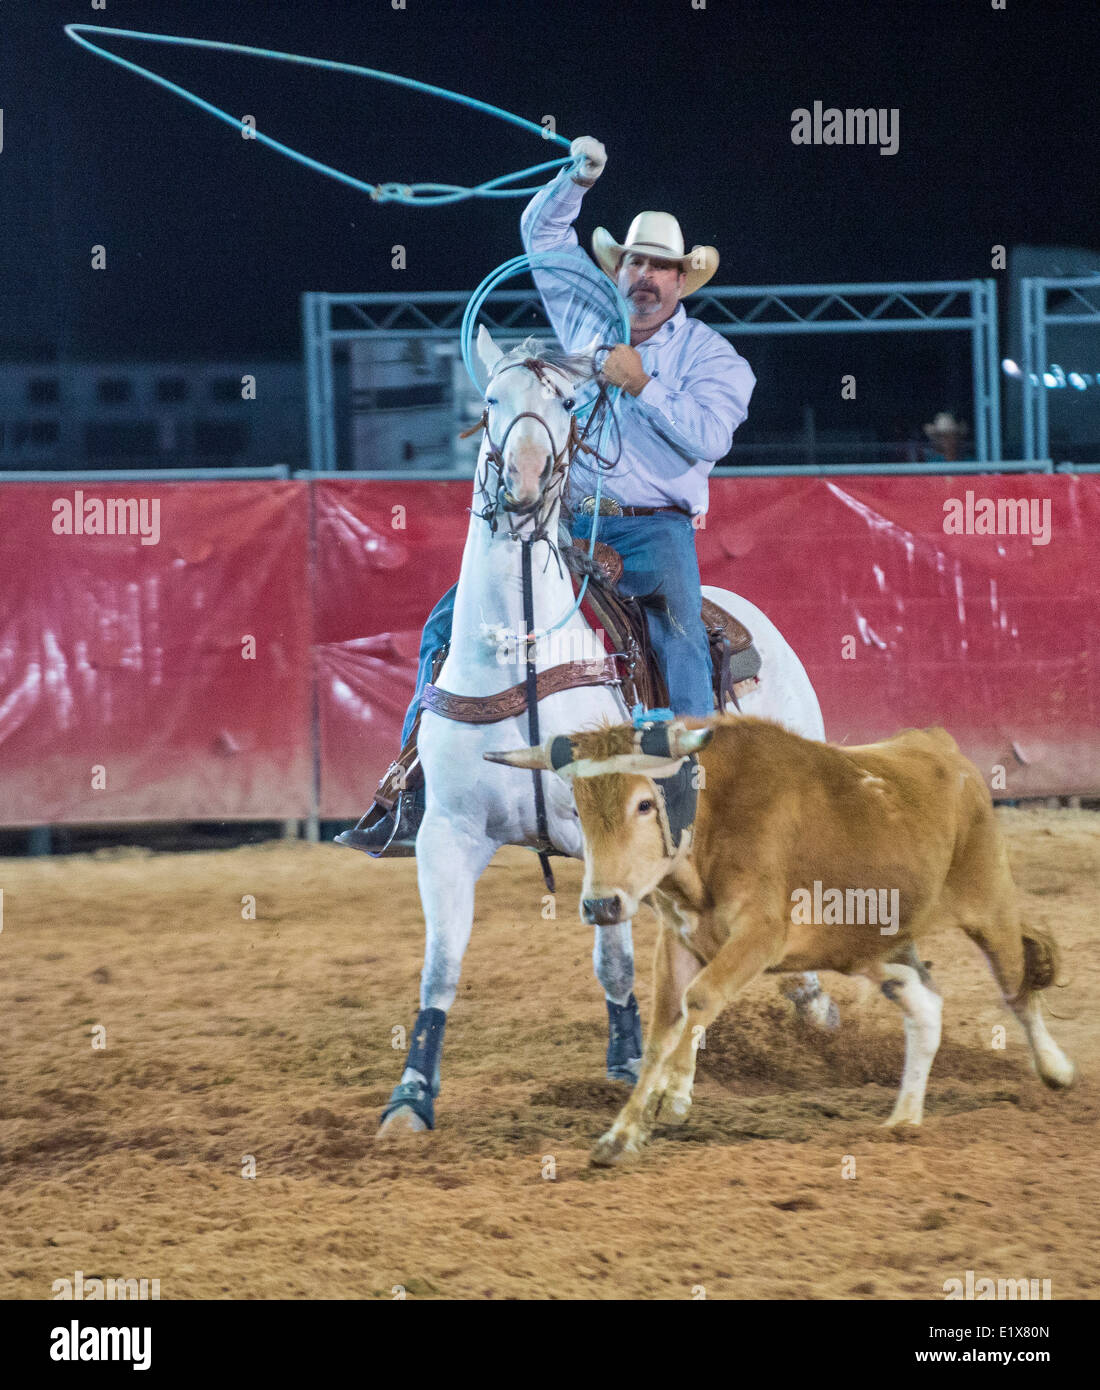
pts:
pixel 632 663
pixel 734 658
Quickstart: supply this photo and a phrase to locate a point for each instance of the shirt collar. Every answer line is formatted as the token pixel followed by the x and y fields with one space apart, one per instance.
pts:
pixel 667 329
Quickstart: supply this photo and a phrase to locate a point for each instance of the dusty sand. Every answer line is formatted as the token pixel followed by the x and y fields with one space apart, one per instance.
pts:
pixel 272 1038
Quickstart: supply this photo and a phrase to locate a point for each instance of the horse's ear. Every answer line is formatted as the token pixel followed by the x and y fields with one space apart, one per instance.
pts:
pixel 487 350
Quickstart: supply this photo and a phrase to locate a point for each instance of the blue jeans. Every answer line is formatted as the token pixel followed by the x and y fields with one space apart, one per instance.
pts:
pixel 658 554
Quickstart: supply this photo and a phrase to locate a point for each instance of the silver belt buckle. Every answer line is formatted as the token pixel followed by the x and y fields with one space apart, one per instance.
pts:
pixel 608 506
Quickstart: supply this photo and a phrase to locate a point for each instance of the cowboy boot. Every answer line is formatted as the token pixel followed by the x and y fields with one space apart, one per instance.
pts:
pixel 390 825
pixel 388 828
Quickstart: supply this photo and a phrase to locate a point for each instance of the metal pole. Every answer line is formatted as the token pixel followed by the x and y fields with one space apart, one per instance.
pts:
pixel 1042 420
pixel 993 368
pixel 977 373
pixel 809 425
pixel 1027 443
pixel 313 403
pixel 328 424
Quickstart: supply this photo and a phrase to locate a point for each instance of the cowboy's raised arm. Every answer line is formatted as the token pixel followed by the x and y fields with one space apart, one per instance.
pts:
pixel 699 419
pixel 547 225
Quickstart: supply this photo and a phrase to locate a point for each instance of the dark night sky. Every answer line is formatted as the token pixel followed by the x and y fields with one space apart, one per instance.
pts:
pixel 211 238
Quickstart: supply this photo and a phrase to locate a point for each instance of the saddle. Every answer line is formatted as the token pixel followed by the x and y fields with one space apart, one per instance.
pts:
pixel 632 664
pixel 734 658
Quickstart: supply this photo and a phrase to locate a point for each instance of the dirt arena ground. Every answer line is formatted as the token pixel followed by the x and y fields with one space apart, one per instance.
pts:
pixel 273 1038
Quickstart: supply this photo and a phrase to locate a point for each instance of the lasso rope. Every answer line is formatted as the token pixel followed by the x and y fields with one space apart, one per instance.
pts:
pixel 427 194
pixel 618 321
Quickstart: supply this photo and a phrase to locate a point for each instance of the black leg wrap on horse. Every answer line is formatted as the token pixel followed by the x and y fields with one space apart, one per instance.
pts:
pixel 624 1040
pixel 416 1096
pixel 424 1054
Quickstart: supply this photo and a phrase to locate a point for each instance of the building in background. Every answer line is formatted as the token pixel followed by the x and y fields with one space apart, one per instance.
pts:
pixel 91 415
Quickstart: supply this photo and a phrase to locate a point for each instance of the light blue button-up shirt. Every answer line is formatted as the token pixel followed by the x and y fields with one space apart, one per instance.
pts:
pixel 676 429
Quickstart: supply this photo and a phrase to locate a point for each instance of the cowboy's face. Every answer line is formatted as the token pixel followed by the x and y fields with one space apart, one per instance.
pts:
pixel 650 286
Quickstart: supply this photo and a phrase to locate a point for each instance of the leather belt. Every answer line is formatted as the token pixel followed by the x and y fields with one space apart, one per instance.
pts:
pixel 506 704
pixel 610 506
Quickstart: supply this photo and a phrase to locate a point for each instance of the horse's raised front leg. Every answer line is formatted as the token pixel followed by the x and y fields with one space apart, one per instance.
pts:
pixel 450 860
pixel 613 961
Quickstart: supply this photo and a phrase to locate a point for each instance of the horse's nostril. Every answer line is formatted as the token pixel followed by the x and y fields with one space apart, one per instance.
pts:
pixel 602 912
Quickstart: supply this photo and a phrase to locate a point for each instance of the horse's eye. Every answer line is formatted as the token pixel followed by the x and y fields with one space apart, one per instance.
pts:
pixel 491 400
pixel 644 807
pixel 569 404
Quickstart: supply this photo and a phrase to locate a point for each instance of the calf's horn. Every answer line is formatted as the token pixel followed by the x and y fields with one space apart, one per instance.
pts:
pixel 535 758
pixel 682 741
pixel 551 756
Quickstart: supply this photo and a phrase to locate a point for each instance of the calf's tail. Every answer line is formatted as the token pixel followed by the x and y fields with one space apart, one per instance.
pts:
pixel 1041 961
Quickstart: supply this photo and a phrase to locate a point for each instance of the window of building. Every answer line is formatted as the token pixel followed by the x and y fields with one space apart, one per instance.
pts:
pixel 43 390
pixel 225 389
pixel 221 438
pixel 44 433
pixel 171 388
pixel 115 390
pixel 121 438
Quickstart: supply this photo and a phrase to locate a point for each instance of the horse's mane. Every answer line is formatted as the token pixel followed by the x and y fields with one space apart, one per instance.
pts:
pixel 578 366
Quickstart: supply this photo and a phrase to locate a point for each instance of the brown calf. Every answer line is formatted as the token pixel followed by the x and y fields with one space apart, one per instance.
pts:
pixel 802 856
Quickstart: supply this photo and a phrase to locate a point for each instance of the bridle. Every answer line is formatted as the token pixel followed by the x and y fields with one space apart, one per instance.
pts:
pixel 551 481
pixel 556 469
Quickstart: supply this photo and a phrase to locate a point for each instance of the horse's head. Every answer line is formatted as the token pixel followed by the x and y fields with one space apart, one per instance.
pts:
pixel 530 434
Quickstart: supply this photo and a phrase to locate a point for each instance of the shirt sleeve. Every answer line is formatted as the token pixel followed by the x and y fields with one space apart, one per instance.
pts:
pixel 547 225
pixel 700 418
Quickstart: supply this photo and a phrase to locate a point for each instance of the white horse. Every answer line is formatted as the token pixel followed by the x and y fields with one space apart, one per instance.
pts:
pixel 473 807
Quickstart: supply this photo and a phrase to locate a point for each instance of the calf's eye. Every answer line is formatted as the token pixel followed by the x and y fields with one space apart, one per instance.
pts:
pixel 644 807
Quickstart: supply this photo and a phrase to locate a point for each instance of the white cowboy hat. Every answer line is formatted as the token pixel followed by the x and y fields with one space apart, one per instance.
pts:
pixel 945 423
pixel 657 234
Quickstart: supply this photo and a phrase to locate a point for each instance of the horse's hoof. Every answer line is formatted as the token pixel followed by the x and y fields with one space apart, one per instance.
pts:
pixel 400 1123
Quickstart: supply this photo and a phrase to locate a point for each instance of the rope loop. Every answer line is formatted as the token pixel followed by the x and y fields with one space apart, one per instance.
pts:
pixel 412 194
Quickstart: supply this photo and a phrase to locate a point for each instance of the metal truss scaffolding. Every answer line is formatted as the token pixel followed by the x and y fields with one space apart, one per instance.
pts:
pixel 1073 300
pixel 904 306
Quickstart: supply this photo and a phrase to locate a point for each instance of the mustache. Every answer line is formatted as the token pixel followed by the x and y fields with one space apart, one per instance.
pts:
pixel 643 288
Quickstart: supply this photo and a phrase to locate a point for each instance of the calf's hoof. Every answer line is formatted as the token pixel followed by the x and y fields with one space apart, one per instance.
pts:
pixel 904 1115
pixel 1058 1075
pixel 821 1013
pixel 674 1109
pixel 612 1148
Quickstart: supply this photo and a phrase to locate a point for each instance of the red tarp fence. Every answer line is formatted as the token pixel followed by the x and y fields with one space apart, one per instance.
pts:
pixel 130 688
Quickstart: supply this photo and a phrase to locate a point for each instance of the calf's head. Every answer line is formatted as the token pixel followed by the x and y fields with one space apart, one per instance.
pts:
pixel 635 791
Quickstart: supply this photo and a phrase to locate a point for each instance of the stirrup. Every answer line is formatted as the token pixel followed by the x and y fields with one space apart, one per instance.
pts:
pixel 382 833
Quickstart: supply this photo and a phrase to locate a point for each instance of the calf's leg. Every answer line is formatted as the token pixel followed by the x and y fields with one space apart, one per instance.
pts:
pixel 923 1009
pixel 1024 962
pixel 670 1058
pixel 672 1101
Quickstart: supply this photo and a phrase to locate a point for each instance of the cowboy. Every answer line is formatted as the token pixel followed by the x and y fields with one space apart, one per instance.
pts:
pixel 685 390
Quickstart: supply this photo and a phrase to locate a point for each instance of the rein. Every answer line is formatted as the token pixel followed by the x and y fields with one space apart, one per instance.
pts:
pixel 472 709
pixel 558 460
